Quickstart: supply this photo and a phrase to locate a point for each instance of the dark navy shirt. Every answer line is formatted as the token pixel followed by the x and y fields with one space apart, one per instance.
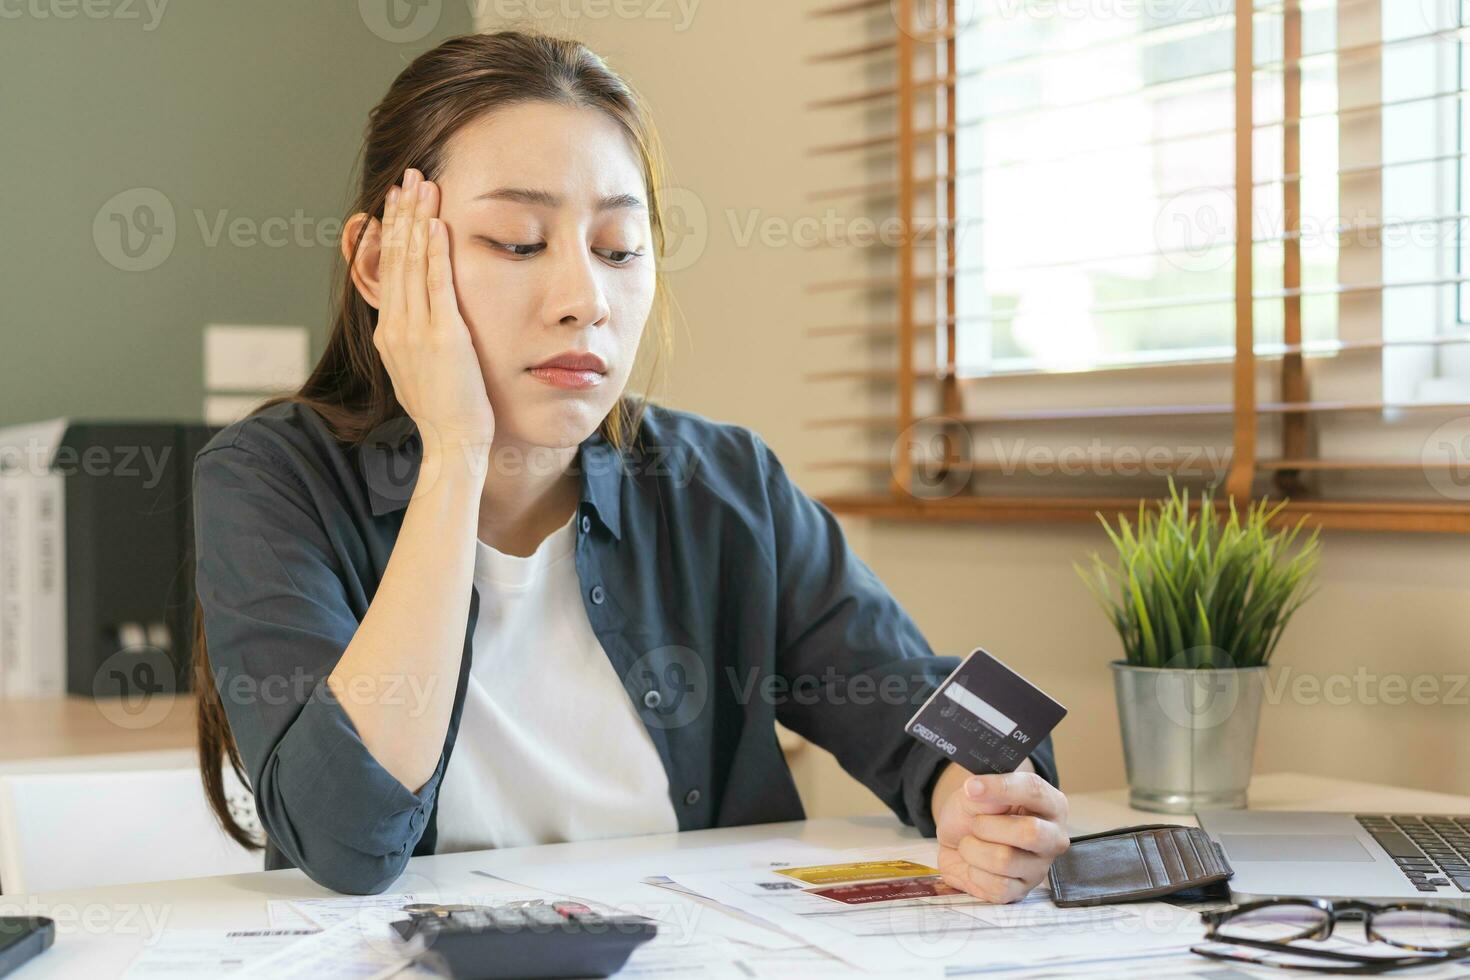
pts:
pixel 725 598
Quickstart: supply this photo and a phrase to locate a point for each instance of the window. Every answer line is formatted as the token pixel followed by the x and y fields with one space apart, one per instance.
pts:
pixel 1075 317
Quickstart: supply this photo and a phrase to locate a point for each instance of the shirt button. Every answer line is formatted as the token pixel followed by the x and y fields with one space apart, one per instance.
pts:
pixel 586 523
pixel 652 699
pixel 691 797
pixel 598 595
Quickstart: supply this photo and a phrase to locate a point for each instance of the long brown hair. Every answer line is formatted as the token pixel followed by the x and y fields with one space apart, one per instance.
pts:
pixel 437 94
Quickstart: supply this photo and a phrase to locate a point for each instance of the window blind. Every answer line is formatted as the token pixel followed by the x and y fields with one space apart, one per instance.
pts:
pixel 1133 241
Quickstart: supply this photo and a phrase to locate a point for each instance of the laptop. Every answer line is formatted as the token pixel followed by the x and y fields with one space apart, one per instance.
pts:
pixel 1371 857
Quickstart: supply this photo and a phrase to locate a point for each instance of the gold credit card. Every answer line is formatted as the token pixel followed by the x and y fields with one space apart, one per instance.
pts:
pixel 831 874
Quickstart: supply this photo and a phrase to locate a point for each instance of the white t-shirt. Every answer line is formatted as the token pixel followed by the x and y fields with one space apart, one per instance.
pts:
pixel 550 747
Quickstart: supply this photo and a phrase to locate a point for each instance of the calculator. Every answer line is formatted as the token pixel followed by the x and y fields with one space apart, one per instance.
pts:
pixel 23 937
pixel 532 940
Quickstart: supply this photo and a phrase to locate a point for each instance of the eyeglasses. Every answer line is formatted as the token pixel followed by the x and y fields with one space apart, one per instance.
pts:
pixel 1431 933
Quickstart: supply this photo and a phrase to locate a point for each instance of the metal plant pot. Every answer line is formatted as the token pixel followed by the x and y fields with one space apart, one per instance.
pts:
pixel 1188 735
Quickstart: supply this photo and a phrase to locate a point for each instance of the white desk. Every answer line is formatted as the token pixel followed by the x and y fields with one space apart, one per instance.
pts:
pixel 99 931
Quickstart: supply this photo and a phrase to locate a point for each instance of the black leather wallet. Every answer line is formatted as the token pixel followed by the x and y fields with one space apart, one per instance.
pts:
pixel 1137 863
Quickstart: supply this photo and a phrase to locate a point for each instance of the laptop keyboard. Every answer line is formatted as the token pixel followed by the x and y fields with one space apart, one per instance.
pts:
pixel 1432 852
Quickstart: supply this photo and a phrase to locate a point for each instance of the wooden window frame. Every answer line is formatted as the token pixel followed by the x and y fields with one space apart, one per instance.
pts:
pixel 1294 406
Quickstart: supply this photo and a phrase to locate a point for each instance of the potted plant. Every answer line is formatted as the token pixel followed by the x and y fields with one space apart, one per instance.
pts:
pixel 1200 601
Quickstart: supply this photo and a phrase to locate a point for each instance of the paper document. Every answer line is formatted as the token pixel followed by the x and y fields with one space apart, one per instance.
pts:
pixel 359 948
pixel 351 935
pixel 632 886
pixel 327 912
pixel 722 959
pixel 209 952
pixel 953 930
pixel 283 915
pixel 1173 964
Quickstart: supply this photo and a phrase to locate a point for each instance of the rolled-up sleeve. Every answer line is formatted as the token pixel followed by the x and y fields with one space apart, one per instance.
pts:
pixel 843 637
pixel 277 618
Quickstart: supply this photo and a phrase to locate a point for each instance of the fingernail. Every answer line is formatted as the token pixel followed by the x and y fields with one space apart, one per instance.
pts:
pixel 392 195
pixel 423 192
pixel 975 787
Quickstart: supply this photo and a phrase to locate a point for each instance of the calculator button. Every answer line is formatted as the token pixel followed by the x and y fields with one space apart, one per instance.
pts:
pixel 571 908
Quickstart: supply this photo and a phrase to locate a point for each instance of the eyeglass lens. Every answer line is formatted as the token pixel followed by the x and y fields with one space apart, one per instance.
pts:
pixel 1274 923
pixel 1421 928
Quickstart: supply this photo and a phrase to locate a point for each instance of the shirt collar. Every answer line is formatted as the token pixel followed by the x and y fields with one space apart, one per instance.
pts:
pixel 389 460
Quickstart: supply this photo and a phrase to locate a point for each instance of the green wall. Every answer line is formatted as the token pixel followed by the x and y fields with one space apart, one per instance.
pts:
pixel 243 109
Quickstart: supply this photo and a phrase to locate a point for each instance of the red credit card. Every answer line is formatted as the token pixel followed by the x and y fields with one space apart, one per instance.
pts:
pixel 868 892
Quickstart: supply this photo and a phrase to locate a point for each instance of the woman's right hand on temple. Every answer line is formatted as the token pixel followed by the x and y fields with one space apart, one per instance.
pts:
pixel 424 341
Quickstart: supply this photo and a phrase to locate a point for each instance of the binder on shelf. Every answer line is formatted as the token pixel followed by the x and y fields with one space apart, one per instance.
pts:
pixel 96 564
pixel 31 647
pixel 11 683
pixel 32 618
pixel 48 584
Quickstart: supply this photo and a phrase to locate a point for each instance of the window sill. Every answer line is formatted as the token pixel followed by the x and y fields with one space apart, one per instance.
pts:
pixel 1367 515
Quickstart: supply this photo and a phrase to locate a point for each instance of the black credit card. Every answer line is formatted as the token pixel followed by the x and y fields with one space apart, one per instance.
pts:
pixel 985 716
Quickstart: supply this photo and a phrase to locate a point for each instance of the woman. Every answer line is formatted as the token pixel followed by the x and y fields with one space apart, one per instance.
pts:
pixel 460 592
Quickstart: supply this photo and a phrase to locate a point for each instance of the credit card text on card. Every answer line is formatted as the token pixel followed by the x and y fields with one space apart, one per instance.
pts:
pixel 990 733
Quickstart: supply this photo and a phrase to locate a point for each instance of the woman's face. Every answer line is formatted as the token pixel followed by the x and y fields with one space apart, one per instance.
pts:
pixel 549 235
